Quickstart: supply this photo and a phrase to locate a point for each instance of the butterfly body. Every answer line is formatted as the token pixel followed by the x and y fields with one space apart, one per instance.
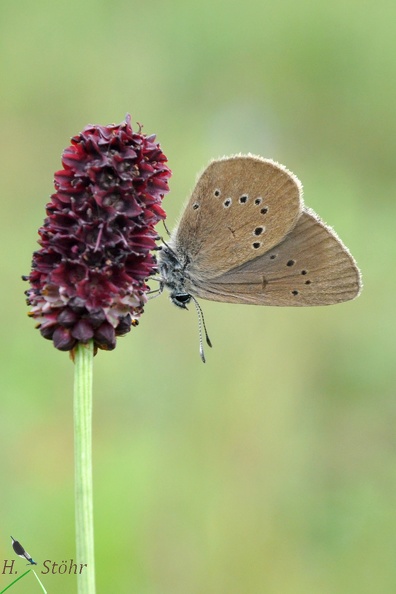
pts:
pixel 245 236
pixel 174 276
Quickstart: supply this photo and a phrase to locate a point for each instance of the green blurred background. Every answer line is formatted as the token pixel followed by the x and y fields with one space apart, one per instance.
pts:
pixel 271 469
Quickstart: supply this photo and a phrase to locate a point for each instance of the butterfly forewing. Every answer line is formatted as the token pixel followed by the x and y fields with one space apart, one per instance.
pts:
pixel 311 266
pixel 241 207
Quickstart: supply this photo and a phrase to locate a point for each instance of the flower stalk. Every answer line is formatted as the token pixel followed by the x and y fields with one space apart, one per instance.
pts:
pixel 83 361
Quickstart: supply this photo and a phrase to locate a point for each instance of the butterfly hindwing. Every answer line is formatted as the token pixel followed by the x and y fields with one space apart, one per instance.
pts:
pixel 311 266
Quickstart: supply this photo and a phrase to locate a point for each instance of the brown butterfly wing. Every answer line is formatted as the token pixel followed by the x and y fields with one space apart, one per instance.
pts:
pixel 240 208
pixel 311 266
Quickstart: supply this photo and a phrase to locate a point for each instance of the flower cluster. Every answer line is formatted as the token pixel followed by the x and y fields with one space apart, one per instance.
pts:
pixel 88 278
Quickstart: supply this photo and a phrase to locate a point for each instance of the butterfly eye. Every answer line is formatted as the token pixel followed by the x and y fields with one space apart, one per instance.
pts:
pixel 264 210
pixel 272 256
pixel 294 292
pixel 290 263
pixel 243 199
pixel 258 201
pixel 303 272
pixel 217 193
pixel 256 245
pixel 227 202
pixel 195 206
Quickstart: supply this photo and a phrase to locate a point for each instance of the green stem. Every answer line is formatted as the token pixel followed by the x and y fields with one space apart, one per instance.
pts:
pixel 83 360
pixel 39 581
pixel 12 583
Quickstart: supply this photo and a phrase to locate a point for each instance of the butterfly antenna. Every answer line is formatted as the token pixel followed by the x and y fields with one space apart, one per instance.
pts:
pixel 201 324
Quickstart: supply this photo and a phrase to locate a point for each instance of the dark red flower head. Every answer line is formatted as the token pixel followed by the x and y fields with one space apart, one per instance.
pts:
pixel 88 278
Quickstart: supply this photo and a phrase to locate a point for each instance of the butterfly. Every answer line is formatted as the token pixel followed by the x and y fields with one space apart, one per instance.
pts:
pixel 245 236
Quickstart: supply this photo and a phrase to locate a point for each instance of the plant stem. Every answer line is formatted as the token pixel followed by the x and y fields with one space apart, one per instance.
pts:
pixel 83 360
pixel 12 583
